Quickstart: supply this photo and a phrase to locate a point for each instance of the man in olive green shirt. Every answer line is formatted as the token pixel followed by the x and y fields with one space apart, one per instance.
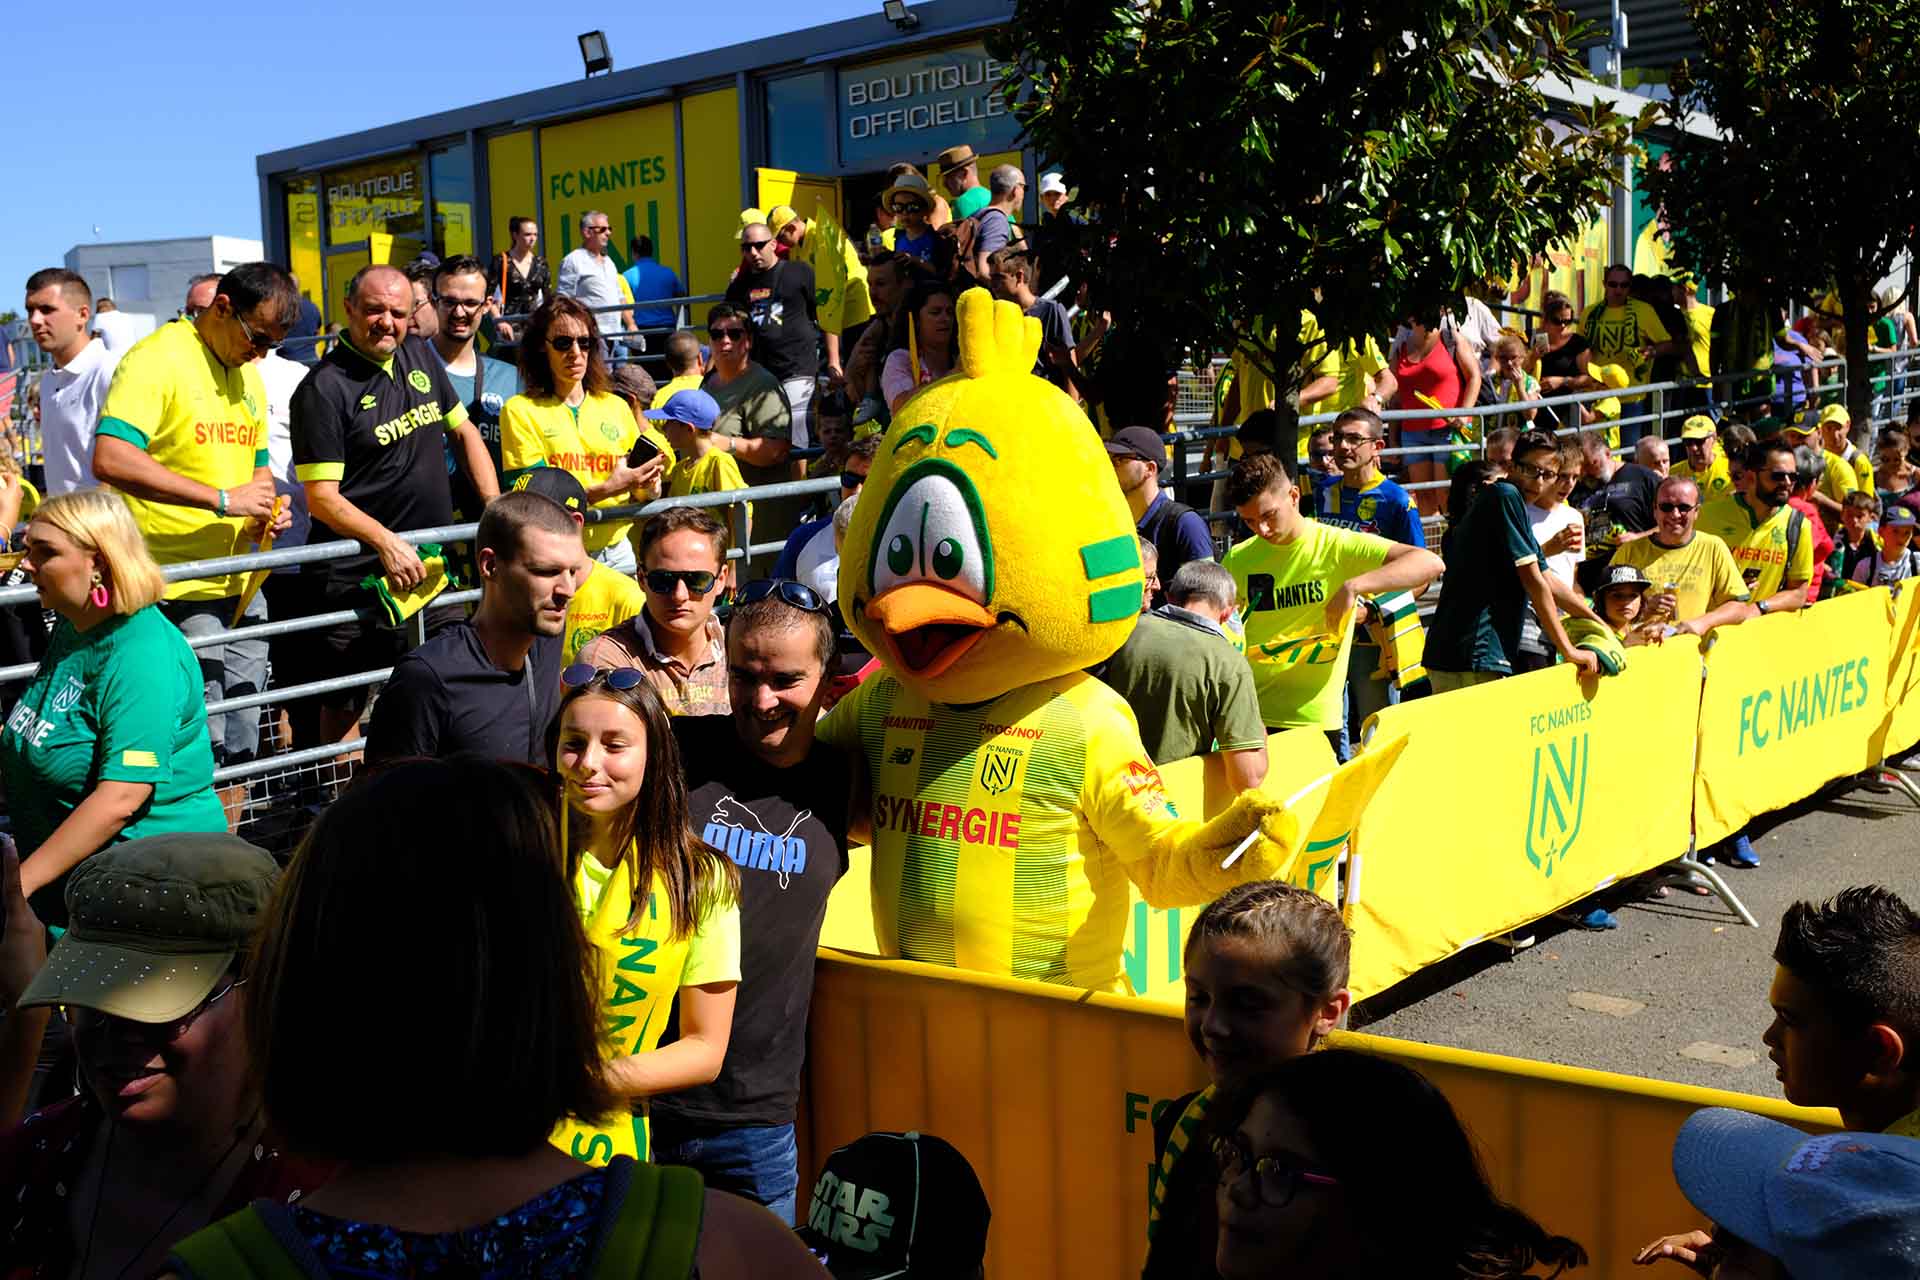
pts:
pixel 1191 690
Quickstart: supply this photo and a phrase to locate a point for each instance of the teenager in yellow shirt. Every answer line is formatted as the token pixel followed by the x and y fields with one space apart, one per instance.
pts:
pixel 1837 478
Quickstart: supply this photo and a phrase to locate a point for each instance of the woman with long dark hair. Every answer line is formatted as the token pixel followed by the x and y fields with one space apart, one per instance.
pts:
pixel 925 347
pixel 1311 1151
pixel 568 416
pixel 661 908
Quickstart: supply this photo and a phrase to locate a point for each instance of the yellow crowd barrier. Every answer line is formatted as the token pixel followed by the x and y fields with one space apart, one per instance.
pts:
pixel 1516 798
pixel 1050 1094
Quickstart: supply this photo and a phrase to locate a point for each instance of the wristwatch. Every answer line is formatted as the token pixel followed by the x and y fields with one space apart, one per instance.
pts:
pixel 1761 605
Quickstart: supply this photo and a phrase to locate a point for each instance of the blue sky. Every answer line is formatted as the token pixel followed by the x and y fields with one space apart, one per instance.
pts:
pixel 149 129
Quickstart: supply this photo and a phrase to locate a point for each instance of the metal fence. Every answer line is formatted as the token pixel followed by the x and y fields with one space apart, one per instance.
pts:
pixel 287 784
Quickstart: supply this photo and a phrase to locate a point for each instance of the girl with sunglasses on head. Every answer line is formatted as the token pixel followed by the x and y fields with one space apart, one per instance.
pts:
pixel 569 416
pixel 1310 1154
pixel 661 908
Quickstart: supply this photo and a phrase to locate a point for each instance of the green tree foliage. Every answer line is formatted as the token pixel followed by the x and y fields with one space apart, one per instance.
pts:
pixel 1815 186
pixel 1245 161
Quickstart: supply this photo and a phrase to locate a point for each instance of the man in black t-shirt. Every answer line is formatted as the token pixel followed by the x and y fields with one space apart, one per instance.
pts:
pixel 1617 500
pixel 770 797
pixel 369 428
pixel 779 297
pixel 492 684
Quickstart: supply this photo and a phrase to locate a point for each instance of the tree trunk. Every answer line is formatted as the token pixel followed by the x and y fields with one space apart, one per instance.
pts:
pixel 1856 309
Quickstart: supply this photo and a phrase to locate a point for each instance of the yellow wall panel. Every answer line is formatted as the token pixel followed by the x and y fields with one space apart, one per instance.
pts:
pixel 710 132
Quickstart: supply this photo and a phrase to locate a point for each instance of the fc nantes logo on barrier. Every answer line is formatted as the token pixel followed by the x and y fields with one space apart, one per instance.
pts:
pixel 1557 800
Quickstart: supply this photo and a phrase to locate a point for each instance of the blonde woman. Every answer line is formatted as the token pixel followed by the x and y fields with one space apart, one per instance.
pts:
pixel 109 741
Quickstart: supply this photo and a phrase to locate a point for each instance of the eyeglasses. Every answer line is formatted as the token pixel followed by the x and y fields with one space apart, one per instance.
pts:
pixel 851 479
pixel 1276 1180
pixel 254 340
pixel 459 304
pixel 1353 441
pixel 1781 475
pixel 92 1022
pixel 193 313
pixel 797 594
pixel 1677 508
pixel 749 246
pixel 565 343
pixel 1538 473
pixel 728 335
pixel 619 679
pixel 697 581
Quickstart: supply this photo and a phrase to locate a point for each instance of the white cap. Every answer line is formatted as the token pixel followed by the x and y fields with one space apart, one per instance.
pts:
pixel 1051 183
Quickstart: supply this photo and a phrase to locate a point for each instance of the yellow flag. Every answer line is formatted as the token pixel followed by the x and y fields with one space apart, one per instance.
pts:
pixel 839 281
pixel 1349 788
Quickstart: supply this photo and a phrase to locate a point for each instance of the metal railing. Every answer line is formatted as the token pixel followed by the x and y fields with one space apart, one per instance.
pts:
pixel 1194 432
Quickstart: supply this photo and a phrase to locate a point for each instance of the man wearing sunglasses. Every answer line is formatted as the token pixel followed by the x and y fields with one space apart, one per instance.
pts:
pixel 764 792
pixel 184 435
pixel 1697 585
pixel 491 684
pixel 1770 540
pixel 676 640
pixel 590 276
pixel 778 297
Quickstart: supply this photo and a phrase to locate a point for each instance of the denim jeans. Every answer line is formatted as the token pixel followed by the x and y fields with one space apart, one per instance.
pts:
pixel 762 1164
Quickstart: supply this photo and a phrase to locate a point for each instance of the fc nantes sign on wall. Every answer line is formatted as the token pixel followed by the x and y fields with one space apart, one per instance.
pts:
pixel 623 166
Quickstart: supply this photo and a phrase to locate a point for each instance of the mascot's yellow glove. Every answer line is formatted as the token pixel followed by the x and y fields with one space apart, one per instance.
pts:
pixel 1185 869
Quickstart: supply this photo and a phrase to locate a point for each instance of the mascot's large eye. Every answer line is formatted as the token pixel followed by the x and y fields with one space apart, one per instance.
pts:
pixel 948 557
pixel 930 536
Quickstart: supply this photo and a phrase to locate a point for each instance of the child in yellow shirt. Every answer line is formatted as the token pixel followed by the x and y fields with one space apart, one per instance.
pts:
pixel 687 418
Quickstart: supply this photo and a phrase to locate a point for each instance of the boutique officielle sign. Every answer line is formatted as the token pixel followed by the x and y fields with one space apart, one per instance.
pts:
pixel 909 108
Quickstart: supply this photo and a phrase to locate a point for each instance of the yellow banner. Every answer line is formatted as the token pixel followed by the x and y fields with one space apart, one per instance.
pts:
pixel 1791 703
pixel 1902 727
pixel 1050 1093
pixel 1514 799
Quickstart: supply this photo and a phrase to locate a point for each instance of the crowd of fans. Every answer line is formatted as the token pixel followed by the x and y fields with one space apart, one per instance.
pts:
pixel 570 907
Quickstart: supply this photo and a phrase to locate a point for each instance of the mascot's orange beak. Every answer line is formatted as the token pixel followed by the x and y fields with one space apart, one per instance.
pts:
pixel 928 627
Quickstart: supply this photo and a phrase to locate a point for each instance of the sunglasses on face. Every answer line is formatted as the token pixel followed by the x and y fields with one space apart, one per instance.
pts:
pixel 697 581
pixel 753 246
pixel 91 1022
pixel 728 335
pixel 620 679
pixel 566 342
pixel 256 341
pixel 1781 475
pixel 797 594
pixel 909 206
pixel 1676 508
pixel 596 230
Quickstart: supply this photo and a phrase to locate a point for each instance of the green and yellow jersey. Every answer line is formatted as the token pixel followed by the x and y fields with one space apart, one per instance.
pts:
pixel 174 399
pixel 589 441
pixel 605 600
pixel 1769 554
pixel 1005 833
pixel 638 972
pixel 1716 483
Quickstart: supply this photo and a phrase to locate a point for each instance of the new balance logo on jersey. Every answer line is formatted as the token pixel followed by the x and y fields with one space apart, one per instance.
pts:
pixel 901 755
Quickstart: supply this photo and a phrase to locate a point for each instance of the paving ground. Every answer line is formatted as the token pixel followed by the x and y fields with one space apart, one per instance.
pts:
pixel 1679 991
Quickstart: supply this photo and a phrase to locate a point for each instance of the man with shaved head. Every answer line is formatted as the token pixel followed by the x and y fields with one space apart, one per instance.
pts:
pixel 777 296
pixel 370 430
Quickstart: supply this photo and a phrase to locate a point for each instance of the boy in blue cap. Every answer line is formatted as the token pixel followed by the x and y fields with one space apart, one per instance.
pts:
pixel 687 418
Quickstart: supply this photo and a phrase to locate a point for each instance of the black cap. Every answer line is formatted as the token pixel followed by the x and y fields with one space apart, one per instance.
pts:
pixel 556 483
pixel 1262 428
pixel 1143 443
pixel 897 1205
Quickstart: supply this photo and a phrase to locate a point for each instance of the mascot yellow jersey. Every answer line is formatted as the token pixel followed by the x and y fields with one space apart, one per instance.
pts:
pixel 990 560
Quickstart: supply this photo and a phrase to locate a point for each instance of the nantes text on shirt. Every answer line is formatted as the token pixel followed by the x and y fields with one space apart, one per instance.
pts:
pixel 1299 667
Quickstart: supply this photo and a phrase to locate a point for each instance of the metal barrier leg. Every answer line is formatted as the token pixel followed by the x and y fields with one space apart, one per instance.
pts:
pixel 1886 775
pixel 1697 871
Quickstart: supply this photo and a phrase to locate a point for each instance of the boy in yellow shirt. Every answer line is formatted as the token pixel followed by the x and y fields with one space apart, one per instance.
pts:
pixel 687 418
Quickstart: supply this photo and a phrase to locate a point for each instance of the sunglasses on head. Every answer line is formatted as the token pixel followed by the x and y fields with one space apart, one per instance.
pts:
pixel 620 679
pixel 797 594
pixel 698 581
pixel 566 342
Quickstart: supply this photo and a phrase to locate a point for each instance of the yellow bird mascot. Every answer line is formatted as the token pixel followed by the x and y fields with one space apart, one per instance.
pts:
pixel 990 561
